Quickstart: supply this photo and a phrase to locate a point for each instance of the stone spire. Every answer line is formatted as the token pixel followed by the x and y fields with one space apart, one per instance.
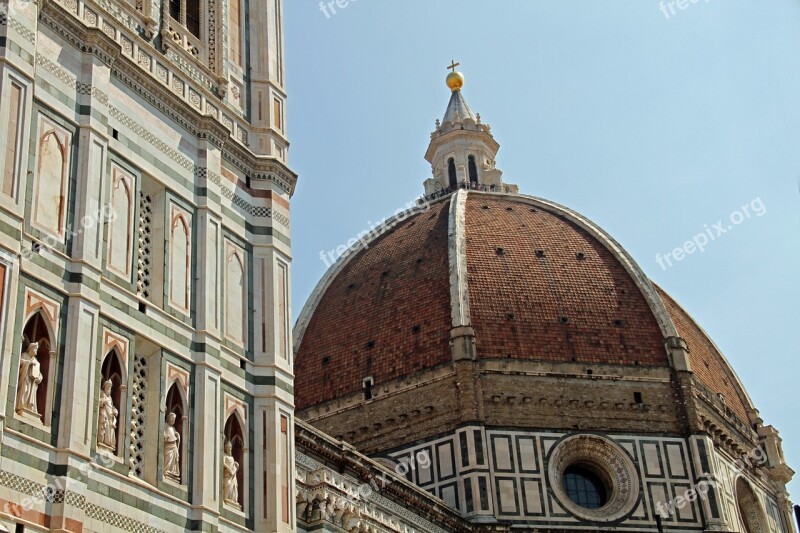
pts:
pixel 462 150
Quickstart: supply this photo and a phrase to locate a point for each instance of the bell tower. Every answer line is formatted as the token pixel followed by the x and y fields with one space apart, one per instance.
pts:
pixel 462 150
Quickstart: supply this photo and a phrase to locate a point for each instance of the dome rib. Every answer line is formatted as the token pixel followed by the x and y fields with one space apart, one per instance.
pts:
pixel 644 284
pixel 457 246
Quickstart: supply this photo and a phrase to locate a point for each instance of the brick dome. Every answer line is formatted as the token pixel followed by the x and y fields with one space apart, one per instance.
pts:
pixel 521 278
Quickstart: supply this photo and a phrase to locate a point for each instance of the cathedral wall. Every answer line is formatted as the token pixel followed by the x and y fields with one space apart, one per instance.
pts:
pixel 674 484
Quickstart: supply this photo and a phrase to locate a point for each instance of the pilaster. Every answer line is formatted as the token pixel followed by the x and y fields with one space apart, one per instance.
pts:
pixel 208 430
pixel 208 243
pixel 701 450
pixel 267 89
pixel 90 187
pixel 77 402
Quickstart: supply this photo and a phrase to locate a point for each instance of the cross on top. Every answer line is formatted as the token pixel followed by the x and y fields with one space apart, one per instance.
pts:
pixel 453 66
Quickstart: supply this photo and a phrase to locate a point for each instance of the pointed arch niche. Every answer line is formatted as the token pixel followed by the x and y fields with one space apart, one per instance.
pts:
pixel 180 259
pixel 235 293
pixel 177 402
pixel 41 326
pixel 114 368
pixel 52 178
pixel 236 433
pixel 120 232
pixel 751 514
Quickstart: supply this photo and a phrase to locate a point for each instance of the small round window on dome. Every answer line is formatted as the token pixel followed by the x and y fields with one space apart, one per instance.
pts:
pixel 584 487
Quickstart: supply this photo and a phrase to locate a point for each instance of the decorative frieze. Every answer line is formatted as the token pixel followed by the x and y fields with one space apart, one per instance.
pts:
pixel 52 495
pixel 23 31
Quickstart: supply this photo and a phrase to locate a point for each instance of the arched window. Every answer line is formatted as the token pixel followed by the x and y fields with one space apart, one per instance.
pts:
pixel 193 17
pixel 235 293
pixel 473 171
pixel 234 434
pixel 112 371
pixel 34 381
pixel 235 30
pixel 451 173
pixel 187 13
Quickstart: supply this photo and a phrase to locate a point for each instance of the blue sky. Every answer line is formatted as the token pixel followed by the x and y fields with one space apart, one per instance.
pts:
pixel 654 127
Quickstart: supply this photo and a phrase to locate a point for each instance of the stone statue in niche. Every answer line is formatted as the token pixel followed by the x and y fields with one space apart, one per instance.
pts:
pixel 172 442
pixel 230 482
pixel 30 377
pixel 107 419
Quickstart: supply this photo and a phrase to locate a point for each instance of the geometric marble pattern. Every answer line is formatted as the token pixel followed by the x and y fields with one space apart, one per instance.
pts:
pixel 504 473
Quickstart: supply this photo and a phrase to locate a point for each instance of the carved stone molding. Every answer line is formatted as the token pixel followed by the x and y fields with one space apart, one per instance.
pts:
pixel 323 495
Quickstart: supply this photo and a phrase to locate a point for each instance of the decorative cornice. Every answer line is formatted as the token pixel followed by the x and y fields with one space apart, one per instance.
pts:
pixel 149 79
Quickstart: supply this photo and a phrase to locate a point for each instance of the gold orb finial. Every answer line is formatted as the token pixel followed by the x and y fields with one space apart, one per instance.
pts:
pixel 455 80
